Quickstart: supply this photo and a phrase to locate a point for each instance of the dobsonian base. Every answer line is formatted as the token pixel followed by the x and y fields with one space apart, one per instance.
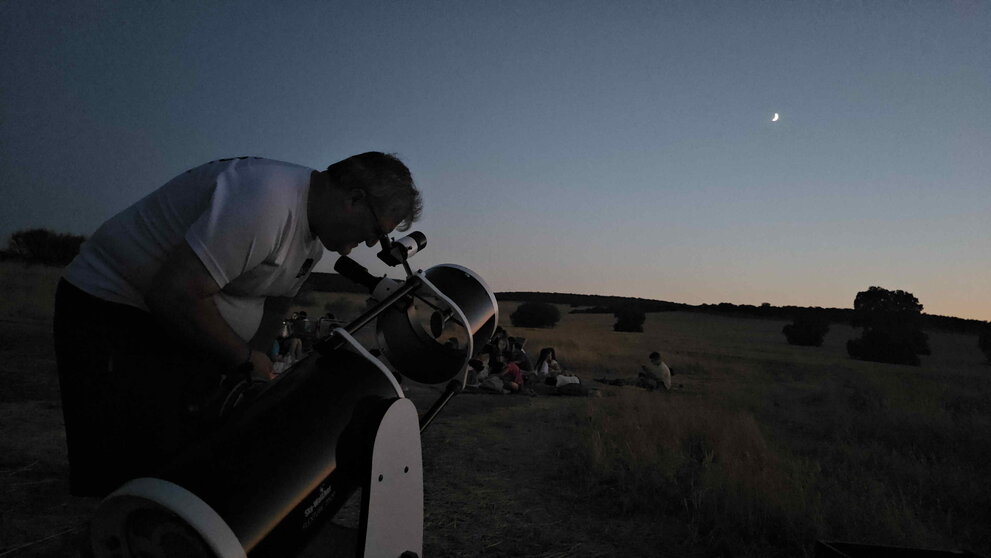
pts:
pixel 392 496
pixel 390 523
pixel 152 516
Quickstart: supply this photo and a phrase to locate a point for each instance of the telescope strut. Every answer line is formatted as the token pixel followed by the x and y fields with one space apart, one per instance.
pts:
pixel 335 342
pixel 453 388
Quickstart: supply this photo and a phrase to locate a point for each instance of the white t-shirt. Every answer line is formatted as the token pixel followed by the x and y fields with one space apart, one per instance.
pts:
pixel 544 369
pixel 661 372
pixel 246 220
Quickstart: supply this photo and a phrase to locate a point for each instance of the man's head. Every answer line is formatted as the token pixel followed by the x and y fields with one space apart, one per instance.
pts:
pixel 654 356
pixel 361 198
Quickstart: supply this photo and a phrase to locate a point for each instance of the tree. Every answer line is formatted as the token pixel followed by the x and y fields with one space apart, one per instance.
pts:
pixel 807 330
pixel 535 314
pixel 892 327
pixel 629 319
pixel 984 342
pixel 44 246
pixel 877 307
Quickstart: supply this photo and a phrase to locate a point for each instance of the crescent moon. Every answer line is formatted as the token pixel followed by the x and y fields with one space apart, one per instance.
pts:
pixel 775 118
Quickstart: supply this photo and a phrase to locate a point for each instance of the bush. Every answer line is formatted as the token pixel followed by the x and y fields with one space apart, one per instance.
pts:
pixel 984 343
pixel 892 327
pixel 629 319
pixel 806 330
pixel 535 314
pixel 44 246
pixel 883 346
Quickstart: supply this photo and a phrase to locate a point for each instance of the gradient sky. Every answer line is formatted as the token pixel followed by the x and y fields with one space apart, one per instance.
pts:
pixel 618 148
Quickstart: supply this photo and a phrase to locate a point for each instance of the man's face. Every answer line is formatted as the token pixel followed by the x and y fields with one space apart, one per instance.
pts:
pixel 356 223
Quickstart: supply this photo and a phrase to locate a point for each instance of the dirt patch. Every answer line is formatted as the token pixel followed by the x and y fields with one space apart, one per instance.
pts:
pixel 501 481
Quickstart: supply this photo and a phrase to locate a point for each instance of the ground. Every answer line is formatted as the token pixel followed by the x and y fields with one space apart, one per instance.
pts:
pixel 764 449
pixel 496 475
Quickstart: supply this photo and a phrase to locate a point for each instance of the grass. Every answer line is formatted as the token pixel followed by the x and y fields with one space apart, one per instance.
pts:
pixel 28 291
pixel 763 448
pixel 710 471
pixel 768 446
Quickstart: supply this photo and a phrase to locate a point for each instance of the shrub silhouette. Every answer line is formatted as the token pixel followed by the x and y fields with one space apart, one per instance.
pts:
pixel 984 342
pixel 891 322
pixel 535 314
pixel 44 246
pixel 629 319
pixel 806 330
pixel 883 346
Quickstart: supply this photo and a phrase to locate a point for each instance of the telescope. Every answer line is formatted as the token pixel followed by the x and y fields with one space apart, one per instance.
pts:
pixel 284 461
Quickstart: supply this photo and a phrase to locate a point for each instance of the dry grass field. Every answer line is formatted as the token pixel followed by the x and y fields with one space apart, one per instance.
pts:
pixel 761 449
pixel 768 446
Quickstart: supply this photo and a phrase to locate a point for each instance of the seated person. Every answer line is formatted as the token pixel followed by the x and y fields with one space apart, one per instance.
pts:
pixel 489 354
pixel 304 330
pixel 512 377
pixel 655 374
pixel 476 369
pixel 494 382
pixel 499 339
pixel 290 343
pixel 518 355
pixel 286 349
pixel 547 365
pixel 326 325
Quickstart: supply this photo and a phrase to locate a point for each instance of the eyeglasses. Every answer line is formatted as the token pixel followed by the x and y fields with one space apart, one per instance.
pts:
pixel 383 238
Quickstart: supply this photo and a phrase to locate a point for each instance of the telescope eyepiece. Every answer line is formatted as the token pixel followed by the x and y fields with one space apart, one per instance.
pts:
pixel 396 252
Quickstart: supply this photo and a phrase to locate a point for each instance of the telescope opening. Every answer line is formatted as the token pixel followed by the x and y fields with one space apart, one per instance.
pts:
pixel 431 340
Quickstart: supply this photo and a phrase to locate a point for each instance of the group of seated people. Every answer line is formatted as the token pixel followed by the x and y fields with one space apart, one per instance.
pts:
pixel 504 367
pixel 297 336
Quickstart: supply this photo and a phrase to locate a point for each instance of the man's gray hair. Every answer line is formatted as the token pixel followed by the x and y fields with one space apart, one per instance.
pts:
pixel 386 181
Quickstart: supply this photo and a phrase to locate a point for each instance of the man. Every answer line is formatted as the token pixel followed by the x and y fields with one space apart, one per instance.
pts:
pixel 655 374
pixel 191 283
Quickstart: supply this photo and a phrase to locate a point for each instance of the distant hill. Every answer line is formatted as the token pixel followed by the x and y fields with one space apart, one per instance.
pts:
pixel 594 304
pixel 597 304
pixel 602 304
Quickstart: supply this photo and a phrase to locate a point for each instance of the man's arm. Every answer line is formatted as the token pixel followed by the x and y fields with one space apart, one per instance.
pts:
pixel 181 296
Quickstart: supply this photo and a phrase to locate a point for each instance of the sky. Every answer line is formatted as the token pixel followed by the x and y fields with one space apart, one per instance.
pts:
pixel 615 147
